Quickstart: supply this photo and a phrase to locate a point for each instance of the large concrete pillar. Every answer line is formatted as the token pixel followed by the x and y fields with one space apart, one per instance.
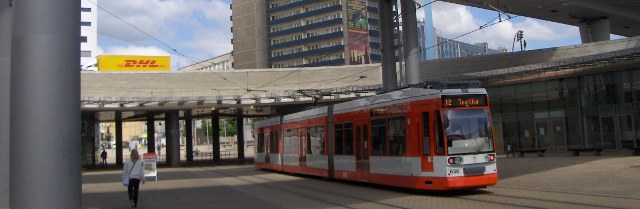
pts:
pixel 45 105
pixel 410 42
pixel 5 83
pixel 389 75
pixel 172 124
pixel 240 131
pixel 188 130
pixel 595 30
pixel 151 133
pixel 118 138
pixel 215 135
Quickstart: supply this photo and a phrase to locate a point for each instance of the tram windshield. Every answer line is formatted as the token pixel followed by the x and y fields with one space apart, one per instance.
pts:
pixel 468 131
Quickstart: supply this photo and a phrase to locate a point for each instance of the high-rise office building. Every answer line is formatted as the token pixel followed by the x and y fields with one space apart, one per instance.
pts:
pixel 88 31
pixel 433 46
pixel 296 33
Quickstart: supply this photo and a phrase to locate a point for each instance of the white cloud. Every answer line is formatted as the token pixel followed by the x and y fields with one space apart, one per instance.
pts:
pixel 195 28
pixel 452 20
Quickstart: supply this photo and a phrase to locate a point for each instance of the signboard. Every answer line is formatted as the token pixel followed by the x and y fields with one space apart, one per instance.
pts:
pixel 133 63
pixel 149 160
pixel 465 100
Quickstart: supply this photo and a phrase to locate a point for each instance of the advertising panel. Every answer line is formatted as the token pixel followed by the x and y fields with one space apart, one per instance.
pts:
pixel 149 160
pixel 133 63
pixel 358 32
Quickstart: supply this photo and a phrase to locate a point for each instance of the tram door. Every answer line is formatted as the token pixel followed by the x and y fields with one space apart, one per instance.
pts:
pixel 362 150
pixel 302 152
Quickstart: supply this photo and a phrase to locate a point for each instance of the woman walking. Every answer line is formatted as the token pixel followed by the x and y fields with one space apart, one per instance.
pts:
pixel 133 170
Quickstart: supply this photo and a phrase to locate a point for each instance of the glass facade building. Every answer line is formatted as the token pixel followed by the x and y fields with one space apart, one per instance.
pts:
pixel 584 111
pixel 449 48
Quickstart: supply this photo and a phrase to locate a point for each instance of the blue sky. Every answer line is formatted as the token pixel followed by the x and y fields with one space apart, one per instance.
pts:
pixel 200 29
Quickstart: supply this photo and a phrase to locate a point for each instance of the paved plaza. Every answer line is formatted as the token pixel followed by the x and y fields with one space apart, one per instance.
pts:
pixel 553 181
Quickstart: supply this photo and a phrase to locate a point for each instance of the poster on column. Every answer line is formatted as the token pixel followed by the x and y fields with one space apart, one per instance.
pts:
pixel 150 165
pixel 358 32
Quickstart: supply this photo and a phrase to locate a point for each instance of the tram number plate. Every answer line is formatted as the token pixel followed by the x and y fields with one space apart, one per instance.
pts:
pixel 454 171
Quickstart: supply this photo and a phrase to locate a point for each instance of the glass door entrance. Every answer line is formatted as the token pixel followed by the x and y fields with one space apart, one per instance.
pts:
pixel 617 131
pixel 551 134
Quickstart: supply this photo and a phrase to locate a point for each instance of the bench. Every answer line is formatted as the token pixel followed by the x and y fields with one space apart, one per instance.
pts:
pixel 634 150
pixel 539 151
pixel 576 151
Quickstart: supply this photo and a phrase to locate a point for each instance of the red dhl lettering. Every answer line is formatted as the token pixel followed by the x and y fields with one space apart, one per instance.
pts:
pixel 140 63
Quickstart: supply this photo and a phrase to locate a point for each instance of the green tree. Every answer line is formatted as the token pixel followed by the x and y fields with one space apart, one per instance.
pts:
pixel 229 127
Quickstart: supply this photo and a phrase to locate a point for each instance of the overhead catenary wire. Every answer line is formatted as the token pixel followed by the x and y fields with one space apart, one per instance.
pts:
pixel 351 42
pixel 164 44
pixel 487 25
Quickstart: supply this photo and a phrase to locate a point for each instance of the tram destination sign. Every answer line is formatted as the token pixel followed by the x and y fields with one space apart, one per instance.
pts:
pixel 465 100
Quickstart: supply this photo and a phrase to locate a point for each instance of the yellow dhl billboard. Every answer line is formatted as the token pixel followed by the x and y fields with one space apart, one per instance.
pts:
pixel 133 63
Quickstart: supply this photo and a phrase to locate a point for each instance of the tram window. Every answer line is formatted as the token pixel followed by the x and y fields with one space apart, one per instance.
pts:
pixel 315 143
pixel 378 133
pixel 261 141
pixel 348 139
pixel 321 139
pixel 273 143
pixel 439 135
pixel 425 134
pixel 396 136
pixel 339 139
pixel 291 141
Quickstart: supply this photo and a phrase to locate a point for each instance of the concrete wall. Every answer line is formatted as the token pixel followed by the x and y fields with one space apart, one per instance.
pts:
pixel 249 34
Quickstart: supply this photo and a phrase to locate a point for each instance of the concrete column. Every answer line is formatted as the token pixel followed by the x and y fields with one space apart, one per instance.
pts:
pixel 151 133
pixel 410 42
pixel 595 30
pixel 389 75
pixel 172 121
pixel 240 131
pixel 5 83
pixel 188 130
pixel 118 138
pixel 215 135
pixel 45 105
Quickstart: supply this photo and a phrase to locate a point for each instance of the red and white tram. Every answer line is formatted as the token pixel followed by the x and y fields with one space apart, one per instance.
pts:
pixel 430 139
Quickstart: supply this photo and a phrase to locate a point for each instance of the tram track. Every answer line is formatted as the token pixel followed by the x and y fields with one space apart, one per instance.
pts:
pixel 279 186
pixel 343 196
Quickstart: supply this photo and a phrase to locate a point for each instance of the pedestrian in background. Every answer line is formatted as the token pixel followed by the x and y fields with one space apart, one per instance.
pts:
pixel 103 155
pixel 133 170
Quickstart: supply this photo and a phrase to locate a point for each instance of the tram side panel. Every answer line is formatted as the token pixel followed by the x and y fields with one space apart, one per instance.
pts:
pixel 267 153
pixel 305 146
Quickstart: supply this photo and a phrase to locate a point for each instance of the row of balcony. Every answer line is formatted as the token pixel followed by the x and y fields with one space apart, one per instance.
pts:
pixel 319 38
pixel 309 53
pixel 324 24
pixel 300 16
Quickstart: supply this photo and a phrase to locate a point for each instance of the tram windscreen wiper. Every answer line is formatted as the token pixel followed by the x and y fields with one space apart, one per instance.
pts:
pixel 484 141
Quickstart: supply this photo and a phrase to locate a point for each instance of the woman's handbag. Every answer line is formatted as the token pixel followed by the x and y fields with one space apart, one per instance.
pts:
pixel 125 180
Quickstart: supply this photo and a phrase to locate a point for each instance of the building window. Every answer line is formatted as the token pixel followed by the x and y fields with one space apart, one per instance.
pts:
pixel 83 9
pixel 85 23
pixel 83 39
pixel 85 53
